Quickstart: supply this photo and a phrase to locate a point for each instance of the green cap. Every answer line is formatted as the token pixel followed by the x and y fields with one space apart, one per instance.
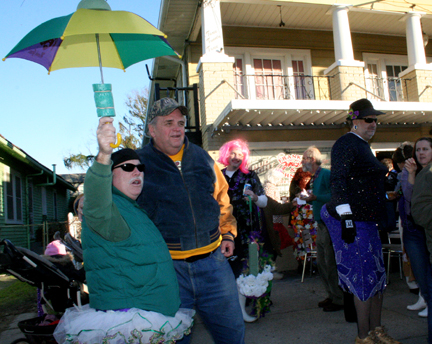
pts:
pixel 165 106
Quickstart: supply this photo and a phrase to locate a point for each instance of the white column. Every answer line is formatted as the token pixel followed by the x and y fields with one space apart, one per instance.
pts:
pixel 212 36
pixel 414 37
pixel 211 24
pixel 342 34
pixel 343 48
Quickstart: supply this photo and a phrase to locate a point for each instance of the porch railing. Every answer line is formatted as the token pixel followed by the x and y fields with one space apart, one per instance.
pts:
pixel 319 87
pixel 19 235
pixel 390 89
pixel 280 87
pixel 25 235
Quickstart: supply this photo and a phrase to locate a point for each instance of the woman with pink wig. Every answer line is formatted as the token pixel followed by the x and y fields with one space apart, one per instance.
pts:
pixel 247 197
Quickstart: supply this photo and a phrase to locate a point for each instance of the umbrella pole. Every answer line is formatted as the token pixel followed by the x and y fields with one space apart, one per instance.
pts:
pixel 99 56
pixel 103 96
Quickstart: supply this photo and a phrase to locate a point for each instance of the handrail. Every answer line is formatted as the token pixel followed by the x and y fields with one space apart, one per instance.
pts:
pixel 220 84
pixel 426 87
pixel 364 89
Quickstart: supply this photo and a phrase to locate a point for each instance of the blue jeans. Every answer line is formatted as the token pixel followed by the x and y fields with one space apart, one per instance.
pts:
pixel 414 240
pixel 209 286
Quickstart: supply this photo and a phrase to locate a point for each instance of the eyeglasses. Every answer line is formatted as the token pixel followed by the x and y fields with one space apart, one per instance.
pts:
pixel 369 120
pixel 131 167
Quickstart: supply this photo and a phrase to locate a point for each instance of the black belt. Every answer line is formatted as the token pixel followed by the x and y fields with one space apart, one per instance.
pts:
pixel 198 257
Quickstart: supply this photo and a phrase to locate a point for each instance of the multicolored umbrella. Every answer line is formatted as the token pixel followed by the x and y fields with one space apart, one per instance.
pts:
pixel 90 37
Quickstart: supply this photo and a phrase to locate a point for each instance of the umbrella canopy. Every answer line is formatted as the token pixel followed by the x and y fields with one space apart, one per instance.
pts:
pixel 71 41
pixel 93 36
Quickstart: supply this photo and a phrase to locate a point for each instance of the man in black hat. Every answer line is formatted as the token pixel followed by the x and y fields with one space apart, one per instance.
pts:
pixel 363 118
pixel 357 204
pixel 185 195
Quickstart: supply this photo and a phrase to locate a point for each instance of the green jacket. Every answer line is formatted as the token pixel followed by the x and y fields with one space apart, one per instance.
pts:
pixel 421 200
pixel 321 189
pixel 126 259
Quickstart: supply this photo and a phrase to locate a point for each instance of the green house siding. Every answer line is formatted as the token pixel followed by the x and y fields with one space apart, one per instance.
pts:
pixel 2 206
pixel 23 228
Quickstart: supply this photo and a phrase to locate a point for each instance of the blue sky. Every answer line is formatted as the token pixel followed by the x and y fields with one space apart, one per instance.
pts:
pixel 51 116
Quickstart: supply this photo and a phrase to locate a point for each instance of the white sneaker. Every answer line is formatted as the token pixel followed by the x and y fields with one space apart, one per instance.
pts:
pixel 412 284
pixel 278 275
pixel 423 313
pixel 419 305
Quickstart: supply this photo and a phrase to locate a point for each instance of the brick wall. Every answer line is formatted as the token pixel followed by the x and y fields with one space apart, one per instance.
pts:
pixel 214 97
pixel 340 86
pixel 417 86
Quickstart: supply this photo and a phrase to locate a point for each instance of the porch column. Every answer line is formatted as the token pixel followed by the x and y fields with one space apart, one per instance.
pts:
pixel 211 28
pixel 414 37
pixel 342 34
pixel 417 78
pixel 215 70
pixel 346 74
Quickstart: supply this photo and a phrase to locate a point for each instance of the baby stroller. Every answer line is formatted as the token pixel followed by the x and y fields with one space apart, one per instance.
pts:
pixel 58 289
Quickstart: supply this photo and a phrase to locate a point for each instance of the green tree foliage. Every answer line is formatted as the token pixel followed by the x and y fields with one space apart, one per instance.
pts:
pixel 131 128
pixel 80 160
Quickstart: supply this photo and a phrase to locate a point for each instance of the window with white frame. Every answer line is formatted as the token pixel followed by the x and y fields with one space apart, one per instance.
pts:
pixel 382 76
pixel 13 186
pixel 272 74
pixel 269 83
pixel 299 79
pixel 238 78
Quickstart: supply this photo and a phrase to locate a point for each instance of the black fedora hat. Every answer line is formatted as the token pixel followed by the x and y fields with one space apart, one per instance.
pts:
pixel 362 108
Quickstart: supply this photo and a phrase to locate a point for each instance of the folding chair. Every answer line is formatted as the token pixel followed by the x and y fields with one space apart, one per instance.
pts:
pixel 312 254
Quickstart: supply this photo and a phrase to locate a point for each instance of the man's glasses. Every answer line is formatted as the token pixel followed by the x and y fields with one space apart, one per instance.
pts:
pixel 369 120
pixel 131 167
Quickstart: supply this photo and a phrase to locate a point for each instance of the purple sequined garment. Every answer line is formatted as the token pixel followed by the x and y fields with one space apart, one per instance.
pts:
pixel 360 265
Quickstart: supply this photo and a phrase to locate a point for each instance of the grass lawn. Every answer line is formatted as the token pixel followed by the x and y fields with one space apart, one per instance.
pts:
pixel 16 297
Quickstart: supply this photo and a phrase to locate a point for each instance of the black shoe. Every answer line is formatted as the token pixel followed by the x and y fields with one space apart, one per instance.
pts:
pixel 333 307
pixel 324 303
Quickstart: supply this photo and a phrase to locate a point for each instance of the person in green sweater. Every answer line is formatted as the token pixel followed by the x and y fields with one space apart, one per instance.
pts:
pixel 318 195
pixel 133 288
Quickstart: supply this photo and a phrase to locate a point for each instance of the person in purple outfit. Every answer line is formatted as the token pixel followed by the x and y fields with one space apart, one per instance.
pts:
pixel 357 204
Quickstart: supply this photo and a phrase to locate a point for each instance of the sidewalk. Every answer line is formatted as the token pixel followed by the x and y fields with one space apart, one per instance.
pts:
pixel 295 317
pixel 13 332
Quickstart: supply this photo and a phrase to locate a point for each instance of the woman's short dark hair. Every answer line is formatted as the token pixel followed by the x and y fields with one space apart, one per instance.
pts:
pixel 403 152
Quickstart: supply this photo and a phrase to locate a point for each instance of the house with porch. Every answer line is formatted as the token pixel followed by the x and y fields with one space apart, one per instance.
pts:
pixel 33 198
pixel 281 74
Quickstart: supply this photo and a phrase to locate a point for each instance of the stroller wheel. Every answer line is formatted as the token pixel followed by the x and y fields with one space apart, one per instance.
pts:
pixel 21 341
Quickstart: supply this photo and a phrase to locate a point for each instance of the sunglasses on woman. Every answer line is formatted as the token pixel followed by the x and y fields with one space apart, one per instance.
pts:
pixel 131 167
pixel 369 120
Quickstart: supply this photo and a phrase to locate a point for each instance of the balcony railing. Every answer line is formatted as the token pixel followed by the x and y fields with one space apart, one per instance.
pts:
pixel 311 87
pixel 389 89
pixel 280 87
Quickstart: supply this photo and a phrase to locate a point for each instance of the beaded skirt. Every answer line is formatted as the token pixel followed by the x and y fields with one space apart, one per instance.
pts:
pixel 360 265
pixel 88 326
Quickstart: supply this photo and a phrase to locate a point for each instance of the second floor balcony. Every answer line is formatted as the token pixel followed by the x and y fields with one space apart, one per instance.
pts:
pixel 318 87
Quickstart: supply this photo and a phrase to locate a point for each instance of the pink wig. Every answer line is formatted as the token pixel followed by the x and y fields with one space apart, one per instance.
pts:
pixel 227 148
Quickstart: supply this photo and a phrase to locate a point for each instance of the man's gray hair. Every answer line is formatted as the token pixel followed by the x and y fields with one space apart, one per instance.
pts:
pixel 313 152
